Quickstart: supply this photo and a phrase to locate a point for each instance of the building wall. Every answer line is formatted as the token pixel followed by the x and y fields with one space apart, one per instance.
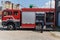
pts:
pixel 0 12
pixel 16 6
pixel 57 6
pixel 9 5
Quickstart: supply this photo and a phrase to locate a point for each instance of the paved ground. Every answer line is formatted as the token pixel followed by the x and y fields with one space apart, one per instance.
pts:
pixel 56 33
pixel 26 35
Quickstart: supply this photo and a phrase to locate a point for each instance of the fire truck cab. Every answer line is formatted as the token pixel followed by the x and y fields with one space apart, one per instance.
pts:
pixel 28 18
pixel 11 18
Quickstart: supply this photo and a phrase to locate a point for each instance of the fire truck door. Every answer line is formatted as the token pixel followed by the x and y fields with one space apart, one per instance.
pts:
pixel 16 15
pixel 17 18
pixel 28 19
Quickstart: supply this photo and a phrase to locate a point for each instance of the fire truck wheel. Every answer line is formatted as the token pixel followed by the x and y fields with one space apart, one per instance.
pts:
pixel 10 26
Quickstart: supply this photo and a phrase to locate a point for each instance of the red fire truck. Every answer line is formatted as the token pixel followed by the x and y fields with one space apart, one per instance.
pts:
pixel 28 18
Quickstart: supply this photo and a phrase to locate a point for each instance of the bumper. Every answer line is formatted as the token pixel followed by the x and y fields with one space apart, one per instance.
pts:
pixel 17 24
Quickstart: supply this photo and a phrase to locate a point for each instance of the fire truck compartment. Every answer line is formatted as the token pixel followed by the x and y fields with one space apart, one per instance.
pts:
pixel 40 16
pixel 50 19
pixel 28 19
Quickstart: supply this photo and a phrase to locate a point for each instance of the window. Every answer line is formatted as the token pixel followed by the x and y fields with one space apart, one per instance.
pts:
pixel 16 13
pixel 7 13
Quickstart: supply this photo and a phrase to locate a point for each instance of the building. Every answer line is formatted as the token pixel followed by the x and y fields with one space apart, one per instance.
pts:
pixel 16 6
pixel 0 11
pixel 57 7
pixel 9 5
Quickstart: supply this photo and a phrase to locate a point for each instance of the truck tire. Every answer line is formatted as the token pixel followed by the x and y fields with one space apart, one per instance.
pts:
pixel 10 26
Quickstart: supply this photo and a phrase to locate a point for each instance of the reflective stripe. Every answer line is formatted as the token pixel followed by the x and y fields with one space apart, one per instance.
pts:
pixel 15 20
pixel 12 20
pixel 10 16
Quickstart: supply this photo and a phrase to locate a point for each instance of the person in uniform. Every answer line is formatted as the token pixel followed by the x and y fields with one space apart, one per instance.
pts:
pixel 42 25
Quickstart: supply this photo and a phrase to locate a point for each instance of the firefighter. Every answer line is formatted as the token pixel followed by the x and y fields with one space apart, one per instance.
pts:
pixel 42 25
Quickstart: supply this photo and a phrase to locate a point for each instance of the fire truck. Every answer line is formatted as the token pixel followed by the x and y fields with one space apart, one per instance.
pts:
pixel 28 18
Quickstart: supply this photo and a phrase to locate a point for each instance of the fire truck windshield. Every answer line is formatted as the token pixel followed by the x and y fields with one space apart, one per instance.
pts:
pixel 15 12
pixel 5 13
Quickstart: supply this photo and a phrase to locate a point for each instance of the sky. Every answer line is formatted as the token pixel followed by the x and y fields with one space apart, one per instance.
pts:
pixel 37 3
